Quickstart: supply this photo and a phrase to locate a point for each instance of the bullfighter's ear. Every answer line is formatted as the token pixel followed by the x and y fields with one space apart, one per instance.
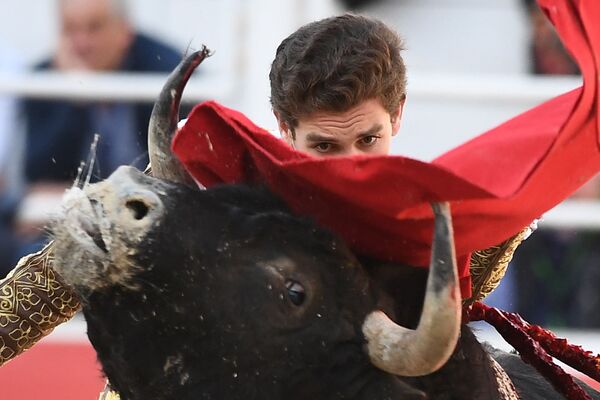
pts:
pixel 284 129
pixel 397 117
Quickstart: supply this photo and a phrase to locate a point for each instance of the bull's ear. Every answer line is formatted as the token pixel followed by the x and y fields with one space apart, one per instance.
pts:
pixel 163 122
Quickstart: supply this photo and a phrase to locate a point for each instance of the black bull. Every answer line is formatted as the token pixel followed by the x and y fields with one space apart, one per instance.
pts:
pixel 225 294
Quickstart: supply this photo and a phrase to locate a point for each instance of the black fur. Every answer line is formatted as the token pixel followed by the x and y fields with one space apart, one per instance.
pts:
pixel 210 316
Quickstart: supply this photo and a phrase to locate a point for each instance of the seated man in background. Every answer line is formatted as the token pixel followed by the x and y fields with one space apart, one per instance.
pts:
pixel 95 35
pixel 548 55
pixel 11 160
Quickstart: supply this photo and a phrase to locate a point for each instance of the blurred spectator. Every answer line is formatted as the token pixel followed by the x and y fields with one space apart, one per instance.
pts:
pixel 95 35
pixel 11 152
pixel 11 134
pixel 558 273
pixel 548 55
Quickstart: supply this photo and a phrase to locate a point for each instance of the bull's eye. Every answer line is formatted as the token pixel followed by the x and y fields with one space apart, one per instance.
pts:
pixel 295 292
pixel 138 208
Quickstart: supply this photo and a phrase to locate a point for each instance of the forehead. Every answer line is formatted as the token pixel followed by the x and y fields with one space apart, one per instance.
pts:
pixel 363 115
pixel 79 10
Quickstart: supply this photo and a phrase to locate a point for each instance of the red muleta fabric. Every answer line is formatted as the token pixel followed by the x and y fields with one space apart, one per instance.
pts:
pixel 497 183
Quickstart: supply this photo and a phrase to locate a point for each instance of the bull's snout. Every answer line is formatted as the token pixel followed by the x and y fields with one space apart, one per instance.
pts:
pixel 121 209
pixel 103 226
pixel 134 198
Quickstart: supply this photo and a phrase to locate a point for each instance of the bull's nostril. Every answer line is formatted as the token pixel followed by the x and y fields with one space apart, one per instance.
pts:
pixel 138 208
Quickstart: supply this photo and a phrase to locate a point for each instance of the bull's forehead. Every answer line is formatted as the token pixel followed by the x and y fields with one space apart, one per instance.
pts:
pixel 129 179
pixel 278 264
pixel 287 267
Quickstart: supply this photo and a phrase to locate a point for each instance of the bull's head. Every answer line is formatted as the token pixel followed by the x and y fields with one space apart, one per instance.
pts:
pixel 225 293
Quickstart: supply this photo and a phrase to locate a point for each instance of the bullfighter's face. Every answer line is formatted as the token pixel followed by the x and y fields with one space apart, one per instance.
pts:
pixel 365 129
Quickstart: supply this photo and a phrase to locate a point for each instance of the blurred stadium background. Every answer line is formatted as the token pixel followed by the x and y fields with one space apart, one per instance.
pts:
pixel 468 70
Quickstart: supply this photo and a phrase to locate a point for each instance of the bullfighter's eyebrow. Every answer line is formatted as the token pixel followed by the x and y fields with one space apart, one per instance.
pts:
pixel 371 131
pixel 318 137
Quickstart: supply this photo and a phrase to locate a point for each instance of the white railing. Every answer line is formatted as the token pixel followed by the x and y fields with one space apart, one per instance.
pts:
pixel 579 214
pixel 145 87
pixel 109 86
pixel 489 87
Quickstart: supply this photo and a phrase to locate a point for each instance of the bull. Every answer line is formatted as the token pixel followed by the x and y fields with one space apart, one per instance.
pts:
pixel 225 293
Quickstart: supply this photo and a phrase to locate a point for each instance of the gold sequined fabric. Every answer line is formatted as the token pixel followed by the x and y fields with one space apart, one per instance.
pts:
pixel 33 301
pixel 489 266
pixel 108 394
pixel 506 388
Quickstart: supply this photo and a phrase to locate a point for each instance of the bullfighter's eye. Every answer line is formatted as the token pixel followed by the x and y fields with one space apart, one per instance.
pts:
pixel 295 292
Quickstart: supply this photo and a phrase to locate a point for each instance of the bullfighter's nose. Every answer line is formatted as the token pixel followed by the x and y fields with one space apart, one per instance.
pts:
pixel 137 200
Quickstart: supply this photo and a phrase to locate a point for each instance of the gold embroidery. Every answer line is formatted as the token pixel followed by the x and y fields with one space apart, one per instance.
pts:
pixel 33 301
pixel 488 266
pixel 506 388
pixel 108 394
pixel 5 351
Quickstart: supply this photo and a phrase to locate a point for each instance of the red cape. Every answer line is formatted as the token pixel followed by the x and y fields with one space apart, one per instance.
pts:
pixel 497 183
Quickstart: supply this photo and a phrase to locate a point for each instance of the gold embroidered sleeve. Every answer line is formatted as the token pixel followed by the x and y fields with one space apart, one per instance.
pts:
pixel 506 387
pixel 33 301
pixel 488 266
pixel 108 393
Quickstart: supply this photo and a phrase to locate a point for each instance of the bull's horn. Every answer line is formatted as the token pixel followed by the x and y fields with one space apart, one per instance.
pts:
pixel 407 352
pixel 163 122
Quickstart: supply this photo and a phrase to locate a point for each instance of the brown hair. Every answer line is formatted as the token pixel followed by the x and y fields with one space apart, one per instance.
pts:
pixel 334 64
